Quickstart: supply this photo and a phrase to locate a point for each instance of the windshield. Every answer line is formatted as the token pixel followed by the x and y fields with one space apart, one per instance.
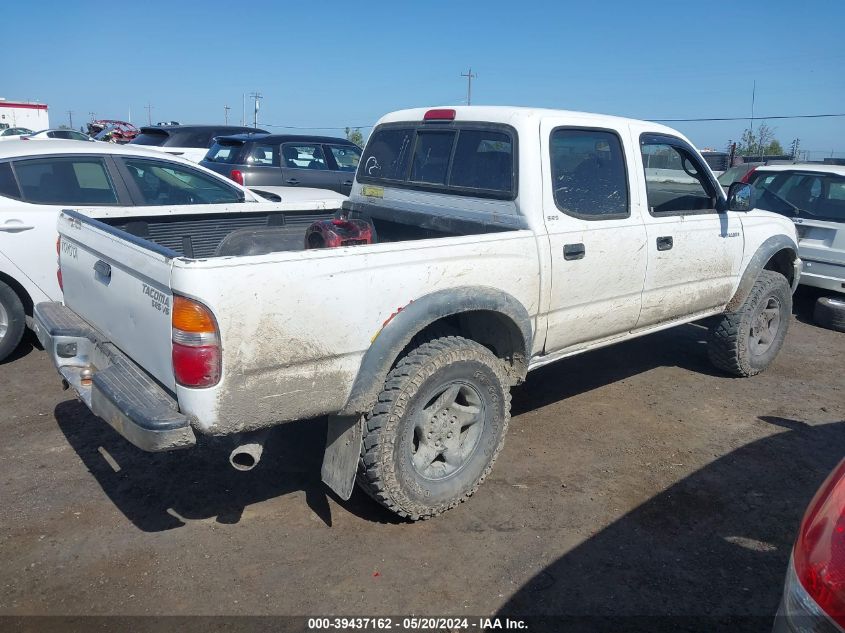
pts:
pixel 812 195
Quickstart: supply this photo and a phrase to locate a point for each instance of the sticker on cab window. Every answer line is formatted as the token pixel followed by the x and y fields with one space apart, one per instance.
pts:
pixel 372 192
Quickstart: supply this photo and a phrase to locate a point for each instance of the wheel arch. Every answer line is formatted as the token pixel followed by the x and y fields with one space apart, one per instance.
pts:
pixel 778 253
pixel 20 290
pixel 486 315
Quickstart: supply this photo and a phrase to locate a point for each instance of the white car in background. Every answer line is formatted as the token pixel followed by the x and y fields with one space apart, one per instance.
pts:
pixel 103 180
pixel 59 133
pixel 14 133
pixel 813 196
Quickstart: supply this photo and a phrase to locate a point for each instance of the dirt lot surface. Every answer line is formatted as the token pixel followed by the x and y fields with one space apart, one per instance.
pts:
pixel 635 480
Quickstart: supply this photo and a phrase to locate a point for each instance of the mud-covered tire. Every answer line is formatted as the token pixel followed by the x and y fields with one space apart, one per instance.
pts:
pixel 733 346
pixel 830 313
pixel 413 414
pixel 12 320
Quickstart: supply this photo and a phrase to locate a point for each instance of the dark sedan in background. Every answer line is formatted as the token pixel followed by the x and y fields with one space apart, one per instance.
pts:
pixel 261 160
pixel 187 141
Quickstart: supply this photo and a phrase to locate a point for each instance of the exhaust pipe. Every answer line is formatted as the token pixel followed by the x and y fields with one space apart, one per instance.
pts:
pixel 245 457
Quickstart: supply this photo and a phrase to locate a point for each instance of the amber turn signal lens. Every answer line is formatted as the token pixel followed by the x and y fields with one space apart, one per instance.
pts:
pixel 191 316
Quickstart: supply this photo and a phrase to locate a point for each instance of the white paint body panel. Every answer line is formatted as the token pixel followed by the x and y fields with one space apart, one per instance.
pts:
pixel 294 326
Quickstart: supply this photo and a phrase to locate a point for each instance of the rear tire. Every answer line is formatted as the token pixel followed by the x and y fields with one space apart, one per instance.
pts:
pixel 12 320
pixel 437 428
pixel 745 342
pixel 830 313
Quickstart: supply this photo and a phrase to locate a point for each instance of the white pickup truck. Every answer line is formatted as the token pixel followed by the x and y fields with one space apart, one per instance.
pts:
pixel 507 238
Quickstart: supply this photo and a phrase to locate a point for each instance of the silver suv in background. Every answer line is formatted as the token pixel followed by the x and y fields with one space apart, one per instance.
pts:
pixel 283 160
pixel 813 195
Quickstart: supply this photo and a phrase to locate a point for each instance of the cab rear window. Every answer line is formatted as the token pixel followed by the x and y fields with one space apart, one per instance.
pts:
pixel 465 159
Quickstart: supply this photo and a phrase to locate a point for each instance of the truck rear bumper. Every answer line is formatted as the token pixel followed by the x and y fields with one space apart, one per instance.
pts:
pixel 112 386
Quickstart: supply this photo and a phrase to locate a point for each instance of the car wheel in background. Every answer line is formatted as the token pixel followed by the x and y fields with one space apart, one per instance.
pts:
pixel 830 313
pixel 746 342
pixel 12 320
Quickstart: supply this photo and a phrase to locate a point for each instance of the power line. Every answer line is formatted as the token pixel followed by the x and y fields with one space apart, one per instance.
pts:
pixel 745 118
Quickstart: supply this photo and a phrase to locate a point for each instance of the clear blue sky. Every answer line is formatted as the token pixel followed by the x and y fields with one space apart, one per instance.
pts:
pixel 332 64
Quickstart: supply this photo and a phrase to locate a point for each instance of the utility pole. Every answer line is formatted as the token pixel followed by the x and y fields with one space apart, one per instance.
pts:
pixel 469 77
pixel 226 113
pixel 243 108
pixel 255 96
pixel 796 143
pixel 149 109
pixel 93 116
pixel 753 97
pixel 70 118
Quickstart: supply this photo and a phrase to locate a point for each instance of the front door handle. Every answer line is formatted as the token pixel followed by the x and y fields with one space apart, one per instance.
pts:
pixel 574 251
pixel 15 226
pixel 347 183
pixel 664 243
pixel 292 181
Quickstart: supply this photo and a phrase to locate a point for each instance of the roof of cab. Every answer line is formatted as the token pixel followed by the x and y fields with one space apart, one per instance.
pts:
pixel 513 114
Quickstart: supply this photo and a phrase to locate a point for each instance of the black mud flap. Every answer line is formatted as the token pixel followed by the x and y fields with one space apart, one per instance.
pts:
pixel 343 450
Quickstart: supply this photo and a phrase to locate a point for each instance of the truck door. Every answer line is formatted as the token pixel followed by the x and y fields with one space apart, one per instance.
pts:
pixel 694 250
pixel 596 235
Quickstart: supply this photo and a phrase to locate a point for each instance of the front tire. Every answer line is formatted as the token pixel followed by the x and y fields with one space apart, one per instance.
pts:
pixel 12 320
pixel 437 428
pixel 745 342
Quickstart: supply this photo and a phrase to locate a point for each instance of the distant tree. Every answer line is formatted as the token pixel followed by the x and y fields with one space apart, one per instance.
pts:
pixel 355 136
pixel 761 143
pixel 63 127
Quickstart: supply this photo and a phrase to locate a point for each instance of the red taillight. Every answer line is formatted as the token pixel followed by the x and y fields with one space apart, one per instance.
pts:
pixel 238 176
pixel 60 280
pixel 440 114
pixel 819 553
pixel 197 357
pixel 747 177
pixel 196 366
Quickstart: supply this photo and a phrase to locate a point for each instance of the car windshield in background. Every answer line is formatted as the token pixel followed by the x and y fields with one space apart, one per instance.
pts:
pixel 227 153
pixel 347 157
pixel 809 195
pixel 451 159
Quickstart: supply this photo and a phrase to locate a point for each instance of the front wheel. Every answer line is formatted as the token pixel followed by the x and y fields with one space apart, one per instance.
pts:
pixel 437 428
pixel 746 342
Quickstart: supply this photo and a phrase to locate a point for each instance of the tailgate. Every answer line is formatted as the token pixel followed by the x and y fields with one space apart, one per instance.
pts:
pixel 120 284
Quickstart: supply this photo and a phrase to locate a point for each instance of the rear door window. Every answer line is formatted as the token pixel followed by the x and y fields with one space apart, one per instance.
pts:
pixel 162 183
pixel 303 156
pixel 65 181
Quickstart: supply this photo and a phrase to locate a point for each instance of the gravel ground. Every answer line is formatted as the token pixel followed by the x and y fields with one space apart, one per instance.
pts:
pixel 635 481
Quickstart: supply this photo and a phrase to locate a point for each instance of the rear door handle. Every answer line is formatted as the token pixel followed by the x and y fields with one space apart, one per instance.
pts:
pixel 574 251
pixel 347 183
pixel 15 226
pixel 664 243
pixel 292 181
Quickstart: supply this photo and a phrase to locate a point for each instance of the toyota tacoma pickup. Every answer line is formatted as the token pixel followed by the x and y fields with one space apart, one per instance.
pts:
pixel 505 239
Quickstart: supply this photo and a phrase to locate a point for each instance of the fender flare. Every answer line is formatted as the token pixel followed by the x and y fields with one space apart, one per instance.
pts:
pixel 416 316
pixel 756 264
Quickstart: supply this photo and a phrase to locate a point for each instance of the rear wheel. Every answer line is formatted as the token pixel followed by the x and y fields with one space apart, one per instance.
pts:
pixel 830 313
pixel 746 342
pixel 12 320
pixel 437 428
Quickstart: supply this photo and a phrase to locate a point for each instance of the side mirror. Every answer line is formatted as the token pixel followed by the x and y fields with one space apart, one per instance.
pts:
pixel 740 196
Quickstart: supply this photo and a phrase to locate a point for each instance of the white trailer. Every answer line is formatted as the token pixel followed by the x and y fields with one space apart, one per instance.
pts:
pixel 28 114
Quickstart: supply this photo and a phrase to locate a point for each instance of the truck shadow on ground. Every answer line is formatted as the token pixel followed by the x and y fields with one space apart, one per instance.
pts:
pixel 162 491
pixel 709 553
